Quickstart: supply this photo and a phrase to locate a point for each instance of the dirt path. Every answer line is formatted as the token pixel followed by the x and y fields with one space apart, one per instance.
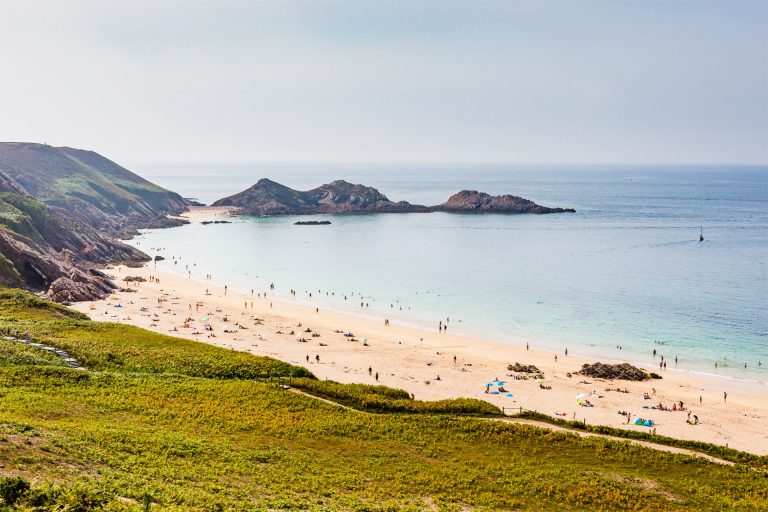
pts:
pixel 554 428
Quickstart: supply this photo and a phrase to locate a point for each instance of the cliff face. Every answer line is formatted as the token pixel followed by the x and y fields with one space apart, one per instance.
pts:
pixel 472 201
pixel 269 198
pixel 91 188
pixel 60 209
pixel 43 248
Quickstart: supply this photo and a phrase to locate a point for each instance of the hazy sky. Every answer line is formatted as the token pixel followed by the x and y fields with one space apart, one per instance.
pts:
pixel 411 81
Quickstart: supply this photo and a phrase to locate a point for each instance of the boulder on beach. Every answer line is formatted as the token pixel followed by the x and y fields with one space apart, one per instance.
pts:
pixel 623 371
pixel 523 368
pixel 530 371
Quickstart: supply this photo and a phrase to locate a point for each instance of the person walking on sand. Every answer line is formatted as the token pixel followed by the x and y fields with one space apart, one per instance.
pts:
pixel 725 397
pixel 377 376
pixel 307 357
pixel 370 371
pixel 317 358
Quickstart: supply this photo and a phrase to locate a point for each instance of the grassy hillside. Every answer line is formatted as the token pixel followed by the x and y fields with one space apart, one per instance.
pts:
pixel 86 184
pixel 170 424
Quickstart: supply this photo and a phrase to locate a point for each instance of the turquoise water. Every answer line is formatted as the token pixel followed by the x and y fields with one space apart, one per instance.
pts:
pixel 626 270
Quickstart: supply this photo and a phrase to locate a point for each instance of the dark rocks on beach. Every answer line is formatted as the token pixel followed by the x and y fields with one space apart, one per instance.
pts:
pixel 623 371
pixel 312 223
pixel 523 368
pixel 206 222
pixel 159 258
pixel 134 279
pixel 529 370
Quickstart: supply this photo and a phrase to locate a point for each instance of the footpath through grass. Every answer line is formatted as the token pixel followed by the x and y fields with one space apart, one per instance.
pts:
pixel 717 451
pixel 193 434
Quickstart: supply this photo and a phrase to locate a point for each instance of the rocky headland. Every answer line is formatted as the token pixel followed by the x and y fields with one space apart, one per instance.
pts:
pixel 62 211
pixel 91 188
pixel 267 197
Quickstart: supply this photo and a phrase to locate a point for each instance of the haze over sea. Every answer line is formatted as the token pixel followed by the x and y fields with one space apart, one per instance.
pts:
pixel 625 270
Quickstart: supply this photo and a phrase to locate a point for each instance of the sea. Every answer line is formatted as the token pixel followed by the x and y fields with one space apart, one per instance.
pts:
pixel 623 276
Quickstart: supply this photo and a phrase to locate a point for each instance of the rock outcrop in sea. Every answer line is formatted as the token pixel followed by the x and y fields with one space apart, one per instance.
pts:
pixel 472 201
pixel 267 197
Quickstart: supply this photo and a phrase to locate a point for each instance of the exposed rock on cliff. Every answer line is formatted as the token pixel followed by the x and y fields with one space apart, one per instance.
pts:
pixel 52 247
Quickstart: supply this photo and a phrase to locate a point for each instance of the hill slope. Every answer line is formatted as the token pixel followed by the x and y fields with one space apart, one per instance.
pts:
pixel 91 188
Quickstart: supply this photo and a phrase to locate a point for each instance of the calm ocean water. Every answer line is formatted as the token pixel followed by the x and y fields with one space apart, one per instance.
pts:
pixel 626 270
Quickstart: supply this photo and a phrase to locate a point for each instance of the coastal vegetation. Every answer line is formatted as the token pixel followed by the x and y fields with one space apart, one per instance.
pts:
pixel 158 423
pixel 714 450
pixel 382 399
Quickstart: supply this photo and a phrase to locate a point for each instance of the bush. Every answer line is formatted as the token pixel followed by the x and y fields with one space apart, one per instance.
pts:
pixel 12 489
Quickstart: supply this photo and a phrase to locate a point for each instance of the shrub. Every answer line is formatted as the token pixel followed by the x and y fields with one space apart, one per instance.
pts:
pixel 12 489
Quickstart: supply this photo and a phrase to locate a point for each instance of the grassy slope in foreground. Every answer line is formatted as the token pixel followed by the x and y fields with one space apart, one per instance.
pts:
pixel 176 430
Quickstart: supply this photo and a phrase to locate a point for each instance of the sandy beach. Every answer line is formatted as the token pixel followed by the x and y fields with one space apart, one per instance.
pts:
pixel 431 364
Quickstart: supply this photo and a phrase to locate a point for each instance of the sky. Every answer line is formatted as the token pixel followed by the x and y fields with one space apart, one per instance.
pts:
pixel 549 82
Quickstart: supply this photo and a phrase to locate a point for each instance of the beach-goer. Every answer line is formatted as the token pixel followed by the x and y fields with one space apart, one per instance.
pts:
pixel 377 377
pixel 725 396
pixel 699 399
pixel 317 358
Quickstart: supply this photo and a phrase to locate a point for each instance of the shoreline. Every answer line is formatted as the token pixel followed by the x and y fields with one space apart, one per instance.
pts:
pixel 411 358
pixel 580 347
pixel 490 337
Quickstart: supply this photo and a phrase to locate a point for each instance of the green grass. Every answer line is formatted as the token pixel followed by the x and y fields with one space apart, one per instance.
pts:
pixel 192 440
pixel 118 347
pixel 17 354
pixel 8 272
pixel 23 215
pixel 382 399
pixel 720 452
